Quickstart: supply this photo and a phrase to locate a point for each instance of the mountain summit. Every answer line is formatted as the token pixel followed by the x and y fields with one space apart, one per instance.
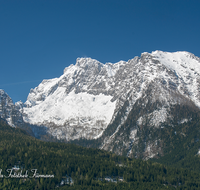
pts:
pixel 117 104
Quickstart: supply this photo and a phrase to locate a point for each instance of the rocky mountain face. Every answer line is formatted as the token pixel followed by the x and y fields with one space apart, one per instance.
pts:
pixel 9 111
pixel 169 98
pixel 13 113
pixel 126 107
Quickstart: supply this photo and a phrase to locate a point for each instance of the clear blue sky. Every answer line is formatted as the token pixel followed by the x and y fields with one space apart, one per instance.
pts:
pixel 39 38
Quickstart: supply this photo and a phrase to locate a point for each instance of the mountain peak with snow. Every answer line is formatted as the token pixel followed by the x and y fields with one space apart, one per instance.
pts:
pixel 89 86
pixel 2 92
pixel 94 100
pixel 87 62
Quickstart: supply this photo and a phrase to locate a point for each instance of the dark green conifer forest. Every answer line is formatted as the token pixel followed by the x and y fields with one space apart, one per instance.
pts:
pixel 75 167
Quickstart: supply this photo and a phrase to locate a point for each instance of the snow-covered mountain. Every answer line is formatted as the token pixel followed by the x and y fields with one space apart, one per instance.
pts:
pixel 114 103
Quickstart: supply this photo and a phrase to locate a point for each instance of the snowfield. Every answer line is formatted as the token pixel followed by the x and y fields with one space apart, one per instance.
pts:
pixel 61 107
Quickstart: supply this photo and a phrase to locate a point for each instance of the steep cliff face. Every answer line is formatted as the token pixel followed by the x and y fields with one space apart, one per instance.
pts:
pixel 144 132
pixel 126 107
pixel 9 111
pixel 169 97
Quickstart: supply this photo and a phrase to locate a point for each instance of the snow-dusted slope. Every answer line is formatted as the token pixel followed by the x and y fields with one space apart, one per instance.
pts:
pixel 9 111
pixel 65 106
pixel 186 67
pixel 161 83
pixel 89 95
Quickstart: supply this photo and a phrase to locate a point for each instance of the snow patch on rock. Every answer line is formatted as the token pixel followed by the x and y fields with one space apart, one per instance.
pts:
pixel 61 107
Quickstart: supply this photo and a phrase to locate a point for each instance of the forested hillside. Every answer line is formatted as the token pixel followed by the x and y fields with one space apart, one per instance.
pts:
pixel 182 144
pixel 75 167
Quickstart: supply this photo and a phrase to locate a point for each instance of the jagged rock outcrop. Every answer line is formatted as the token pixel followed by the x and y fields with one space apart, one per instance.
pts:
pixel 9 111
